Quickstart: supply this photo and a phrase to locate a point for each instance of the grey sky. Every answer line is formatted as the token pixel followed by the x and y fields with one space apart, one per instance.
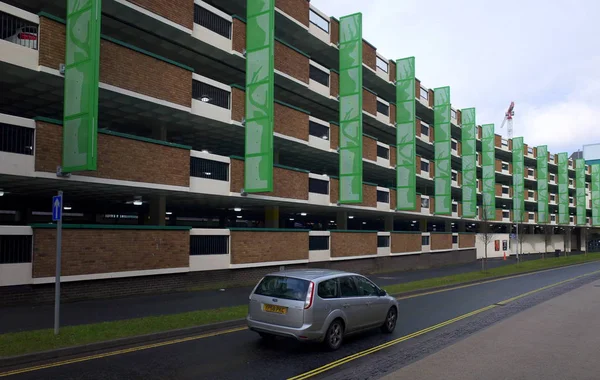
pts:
pixel 544 55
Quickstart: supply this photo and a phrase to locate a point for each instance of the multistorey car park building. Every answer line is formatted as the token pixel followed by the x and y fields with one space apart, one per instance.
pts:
pixel 235 137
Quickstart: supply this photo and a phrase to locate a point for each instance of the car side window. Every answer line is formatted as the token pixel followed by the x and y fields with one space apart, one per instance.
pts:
pixel 348 287
pixel 329 289
pixel 365 287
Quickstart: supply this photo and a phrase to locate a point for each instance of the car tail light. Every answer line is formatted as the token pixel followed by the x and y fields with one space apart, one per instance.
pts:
pixel 310 293
pixel 27 36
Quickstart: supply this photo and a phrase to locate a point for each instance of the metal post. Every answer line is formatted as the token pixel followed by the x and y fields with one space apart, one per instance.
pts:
pixel 57 279
pixel 517 242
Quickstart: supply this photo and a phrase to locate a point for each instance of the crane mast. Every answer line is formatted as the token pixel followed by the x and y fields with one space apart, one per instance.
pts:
pixel 508 120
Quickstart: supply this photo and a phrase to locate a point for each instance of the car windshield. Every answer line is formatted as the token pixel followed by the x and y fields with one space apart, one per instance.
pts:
pixel 283 287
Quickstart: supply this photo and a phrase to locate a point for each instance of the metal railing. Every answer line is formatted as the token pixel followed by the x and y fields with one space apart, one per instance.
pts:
pixel 209 169
pixel 16 139
pixel 211 21
pixel 211 94
pixel 18 31
pixel 15 249
pixel 209 245
pixel 318 243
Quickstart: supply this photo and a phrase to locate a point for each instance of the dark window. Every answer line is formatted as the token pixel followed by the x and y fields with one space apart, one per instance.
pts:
pixel 318 186
pixel 553 217
pixel 211 21
pixel 383 108
pixel 365 287
pixel 531 216
pixel 383 241
pixel 383 152
pixel 454 239
pixel 454 207
pixel 203 168
pixel 506 214
pixel 383 196
pixel 530 194
pixel 18 31
pixel 348 287
pixel 16 139
pixel 504 190
pixel 318 130
pixel 317 20
pixel 383 65
pixel 424 130
pixel 530 172
pixel 504 166
pixel 210 94
pixel 15 249
pixel 208 245
pixel 283 287
pixel 425 166
pixel 319 75
pixel 318 243
pixel 329 289
pixel 454 176
pixel 454 145
pixel 425 240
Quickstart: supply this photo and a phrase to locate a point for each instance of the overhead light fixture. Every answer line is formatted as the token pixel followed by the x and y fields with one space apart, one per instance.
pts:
pixel 331 221
pixel 364 222
pixel 351 217
pixel 205 99
pixel 169 213
pixel 137 203
pixel 302 214
pixel 205 151
pixel 208 173
pixel 414 221
pixel 67 208
pixel 325 137
pixel 239 217
pixel 237 209
pixel 292 219
pixel 1 193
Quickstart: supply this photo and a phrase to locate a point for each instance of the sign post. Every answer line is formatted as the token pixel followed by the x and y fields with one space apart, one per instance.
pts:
pixel 57 207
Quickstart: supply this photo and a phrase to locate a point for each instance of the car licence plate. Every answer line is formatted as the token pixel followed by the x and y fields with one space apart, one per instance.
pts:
pixel 276 309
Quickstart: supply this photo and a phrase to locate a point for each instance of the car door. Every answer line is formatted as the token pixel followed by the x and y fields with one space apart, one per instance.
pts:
pixel 375 305
pixel 351 305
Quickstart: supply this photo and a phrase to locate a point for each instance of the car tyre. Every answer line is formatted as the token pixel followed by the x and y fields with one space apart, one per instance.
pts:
pixel 390 321
pixel 335 335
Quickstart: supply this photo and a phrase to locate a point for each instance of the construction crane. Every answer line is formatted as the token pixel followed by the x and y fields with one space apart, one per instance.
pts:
pixel 508 118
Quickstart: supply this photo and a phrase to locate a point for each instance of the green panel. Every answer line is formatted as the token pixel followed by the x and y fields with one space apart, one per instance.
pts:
pixel 542 183
pixel 82 71
pixel 488 169
pixel 406 176
pixel 469 163
pixel 563 188
pixel 580 191
pixel 442 151
pixel 260 50
pixel 351 114
pixel 518 180
pixel 596 195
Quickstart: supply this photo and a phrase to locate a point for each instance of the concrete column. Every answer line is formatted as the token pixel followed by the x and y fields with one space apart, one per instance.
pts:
pixel 159 133
pixel 423 225
pixel 462 226
pixel 272 217
pixel 583 239
pixel 342 220
pixel 448 226
pixel 158 210
pixel 389 223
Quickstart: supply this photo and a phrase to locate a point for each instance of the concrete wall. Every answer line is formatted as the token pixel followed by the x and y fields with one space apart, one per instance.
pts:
pixel 531 244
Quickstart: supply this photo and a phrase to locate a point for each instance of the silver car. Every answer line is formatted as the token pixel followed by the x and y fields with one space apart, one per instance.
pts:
pixel 319 305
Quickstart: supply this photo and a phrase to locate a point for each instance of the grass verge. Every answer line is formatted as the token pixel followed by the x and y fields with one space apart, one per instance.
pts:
pixel 523 267
pixel 42 340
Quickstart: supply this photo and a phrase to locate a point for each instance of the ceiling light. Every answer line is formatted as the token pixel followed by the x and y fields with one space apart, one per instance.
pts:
pixel 414 221
pixel 237 209
pixel 350 217
pixel 205 151
pixel 205 99
pixel 137 203
pixel 292 219
pixel 67 208
pixel 331 221
pixel 364 222
pixel 1 193
pixel 239 217
pixel 169 212
pixel 325 137
pixel 302 214
pixel 208 173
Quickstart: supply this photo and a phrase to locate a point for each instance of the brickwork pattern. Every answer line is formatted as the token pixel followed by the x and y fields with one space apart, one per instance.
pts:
pixel 369 148
pixel 334 27
pixel 334 84
pixel 345 244
pixel 334 136
pixel 392 71
pixel 286 183
pixel 334 190
pixel 441 241
pixel 51 50
pixel 292 63
pixel 291 122
pixel 239 36
pixel 238 104
pixel 392 113
pixel 106 251
pixel 118 158
pixel 178 11
pixel 369 55
pixel 298 9
pixel 401 242
pixel 256 247
pixel 369 102
pixel 466 240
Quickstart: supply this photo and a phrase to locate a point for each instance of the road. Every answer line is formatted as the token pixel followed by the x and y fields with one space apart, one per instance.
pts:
pixel 35 317
pixel 241 354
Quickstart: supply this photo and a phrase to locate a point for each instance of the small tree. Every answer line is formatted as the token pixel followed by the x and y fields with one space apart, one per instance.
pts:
pixel 548 232
pixel 520 238
pixel 568 239
pixel 485 234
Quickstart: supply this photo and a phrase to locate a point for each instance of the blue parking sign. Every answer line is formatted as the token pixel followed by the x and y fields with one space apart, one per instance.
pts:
pixel 56 208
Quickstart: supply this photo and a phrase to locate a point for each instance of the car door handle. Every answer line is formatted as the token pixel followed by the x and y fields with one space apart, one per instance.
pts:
pixel 346 305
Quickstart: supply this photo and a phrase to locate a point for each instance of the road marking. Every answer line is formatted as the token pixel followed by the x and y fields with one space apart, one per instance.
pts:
pixel 120 352
pixel 366 352
pixel 488 281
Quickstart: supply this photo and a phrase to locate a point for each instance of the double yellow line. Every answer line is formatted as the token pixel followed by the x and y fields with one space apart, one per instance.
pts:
pixel 369 351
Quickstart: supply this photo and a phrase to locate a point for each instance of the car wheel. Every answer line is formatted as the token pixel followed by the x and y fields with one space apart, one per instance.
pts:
pixel 267 337
pixel 335 335
pixel 390 321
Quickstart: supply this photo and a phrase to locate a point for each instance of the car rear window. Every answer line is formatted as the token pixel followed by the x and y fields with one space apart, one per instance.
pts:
pixel 283 287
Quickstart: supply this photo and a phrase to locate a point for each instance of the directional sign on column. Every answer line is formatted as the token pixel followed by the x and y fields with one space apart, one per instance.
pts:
pixel 56 208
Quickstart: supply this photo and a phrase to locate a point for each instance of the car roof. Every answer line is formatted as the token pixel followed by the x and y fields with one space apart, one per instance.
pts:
pixel 311 274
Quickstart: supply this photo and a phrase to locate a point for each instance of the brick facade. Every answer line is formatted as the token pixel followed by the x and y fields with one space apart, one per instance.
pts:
pixel 122 67
pixel 238 104
pixel 441 241
pixel 286 183
pixel 369 196
pixel 392 113
pixel 369 148
pixel 369 102
pixel 334 190
pixel 369 55
pixel 405 242
pixel 297 9
pixel 334 84
pixel 291 122
pixel 392 71
pixel 344 244
pixel 179 11
pixel 238 42
pixel 118 158
pixel 334 35
pixel 263 246
pixel 334 136
pixel 292 63
pixel 466 240
pixel 90 251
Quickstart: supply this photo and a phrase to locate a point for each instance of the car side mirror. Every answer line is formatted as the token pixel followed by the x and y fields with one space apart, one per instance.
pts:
pixel 382 293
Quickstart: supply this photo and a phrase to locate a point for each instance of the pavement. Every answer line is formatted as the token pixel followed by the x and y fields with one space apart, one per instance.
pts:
pixel 35 317
pixel 243 355
pixel 557 339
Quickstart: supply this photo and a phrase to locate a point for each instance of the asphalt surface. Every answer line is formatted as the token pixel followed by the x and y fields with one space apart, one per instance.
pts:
pixel 242 355
pixel 35 317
